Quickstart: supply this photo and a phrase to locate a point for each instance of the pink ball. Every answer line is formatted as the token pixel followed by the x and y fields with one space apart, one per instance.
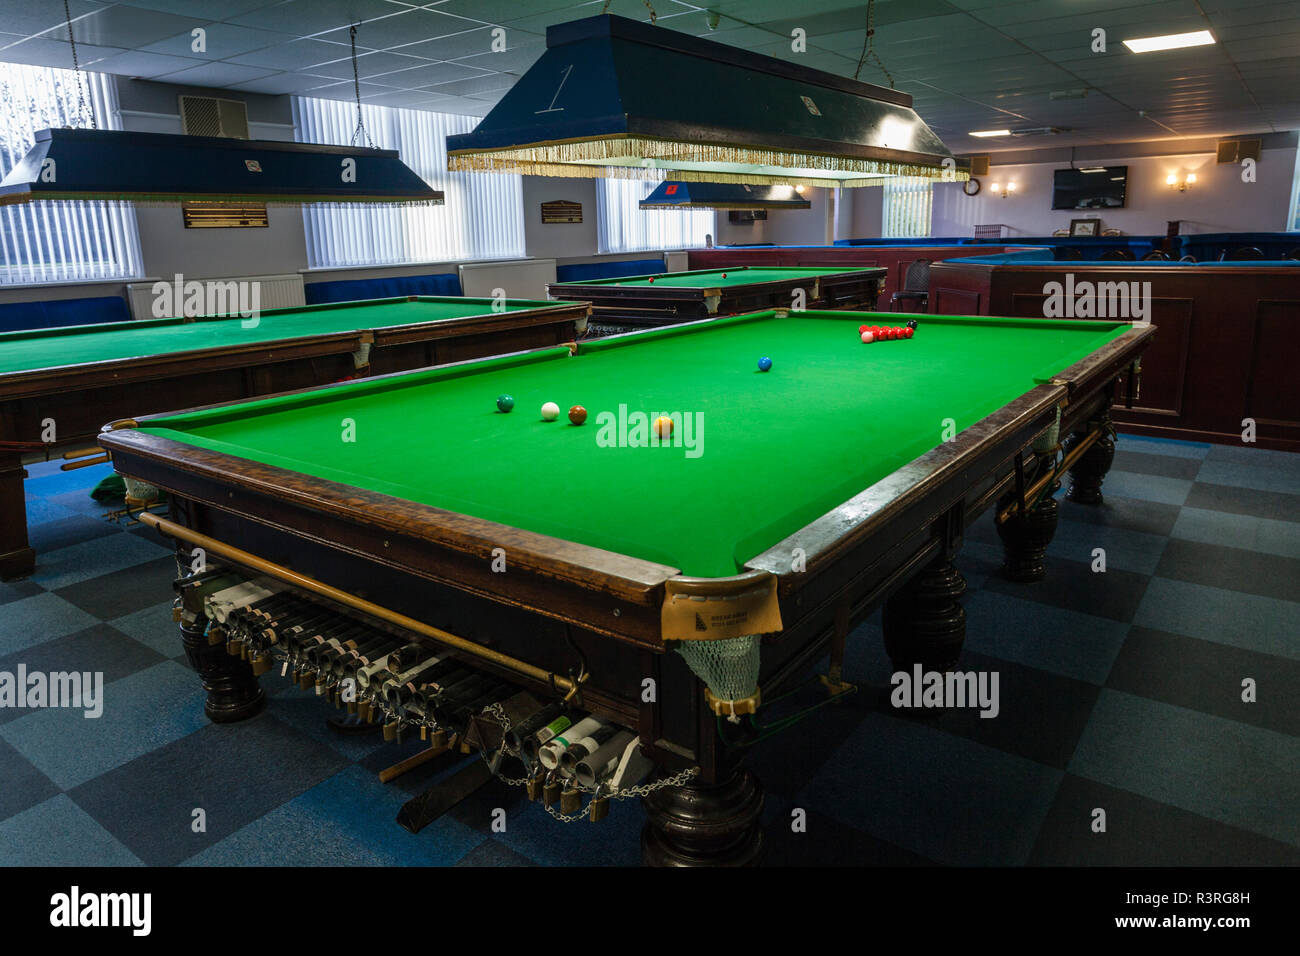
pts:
pixel 868 337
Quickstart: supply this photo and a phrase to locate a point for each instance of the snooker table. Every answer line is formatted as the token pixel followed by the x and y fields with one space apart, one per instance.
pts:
pixel 840 480
pixel 674 297
pixel 58 386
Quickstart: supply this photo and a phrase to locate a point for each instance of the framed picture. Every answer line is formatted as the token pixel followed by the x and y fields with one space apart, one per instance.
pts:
pixel 1084 227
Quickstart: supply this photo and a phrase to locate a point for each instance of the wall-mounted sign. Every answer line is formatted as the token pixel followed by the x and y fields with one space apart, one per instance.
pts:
pixel 560 211
pixel 221 215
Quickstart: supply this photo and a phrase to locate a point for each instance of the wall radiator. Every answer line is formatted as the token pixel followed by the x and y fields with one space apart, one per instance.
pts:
pixel 520 278
pixel 274 292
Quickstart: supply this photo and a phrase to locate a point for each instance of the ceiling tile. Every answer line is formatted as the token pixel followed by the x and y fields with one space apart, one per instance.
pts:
pixel 450 46
pixel 431 74
pixel 222 41
pixel 368 64
pixel 308 17
pixel 297 55
pixel 138 63
pixel 42 52
pixel 127 27
pixel 401 27
pixel 29 19
pixel 215 74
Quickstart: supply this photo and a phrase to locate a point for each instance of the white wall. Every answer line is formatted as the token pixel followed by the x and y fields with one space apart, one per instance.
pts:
pixel 559 240
pixel 1218 202
pixel 790 227
pixel 166 246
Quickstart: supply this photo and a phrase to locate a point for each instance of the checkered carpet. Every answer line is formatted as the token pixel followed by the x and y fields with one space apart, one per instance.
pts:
pixel 1120 692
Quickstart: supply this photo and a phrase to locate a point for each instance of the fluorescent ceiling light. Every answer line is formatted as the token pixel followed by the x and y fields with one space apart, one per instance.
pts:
pixel 1093 169
pixel 1173 41
pixel 990 132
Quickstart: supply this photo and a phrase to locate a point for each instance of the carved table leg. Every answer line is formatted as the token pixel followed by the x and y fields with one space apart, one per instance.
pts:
pixel 924 623
pixel 705 824
pixel 1025 537
pixel 1090 470
pixel 233 692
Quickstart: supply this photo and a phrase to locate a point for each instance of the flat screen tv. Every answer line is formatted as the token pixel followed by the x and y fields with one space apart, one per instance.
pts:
pixel 1089 187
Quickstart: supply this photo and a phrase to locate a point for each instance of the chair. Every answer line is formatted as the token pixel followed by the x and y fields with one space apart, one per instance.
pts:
pixel 1157 254
pixel 1111 254
pixel 1187 259
pixel 1242 253
pixel 916 288
pixel 1068 252
pixel 1293 253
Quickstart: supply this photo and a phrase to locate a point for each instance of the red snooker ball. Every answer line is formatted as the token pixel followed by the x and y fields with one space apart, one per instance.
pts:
pixel 577 414
pixel 652 280
pixel 861 329
pixel 724 275
pixel 907 333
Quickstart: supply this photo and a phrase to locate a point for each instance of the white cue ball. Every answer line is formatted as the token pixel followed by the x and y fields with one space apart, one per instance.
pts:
pixel 550 412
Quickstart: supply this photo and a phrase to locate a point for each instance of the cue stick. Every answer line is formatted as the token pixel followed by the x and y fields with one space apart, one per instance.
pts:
pixel 83 463
pixel 221 549
pixel 415 760
pixel 1067 462
pixel 83 452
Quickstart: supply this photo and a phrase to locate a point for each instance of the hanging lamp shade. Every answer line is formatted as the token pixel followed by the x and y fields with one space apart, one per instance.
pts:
pixel 168 169
pixel 615 97
pixel 680 195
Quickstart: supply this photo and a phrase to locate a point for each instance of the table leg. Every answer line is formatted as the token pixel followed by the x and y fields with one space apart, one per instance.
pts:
pixel 1090 470
pixel 17 557
pixel 1025 538
pixel 924 622
pixel 233 692
pixel 703 824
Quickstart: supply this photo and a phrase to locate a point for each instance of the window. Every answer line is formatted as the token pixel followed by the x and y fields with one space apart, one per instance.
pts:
pixel 59 241
pixel 908 203
pixel 483 217
pixel 622 226
pixel 1293 221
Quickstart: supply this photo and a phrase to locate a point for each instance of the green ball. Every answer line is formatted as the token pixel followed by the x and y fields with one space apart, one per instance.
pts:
pixel 505 402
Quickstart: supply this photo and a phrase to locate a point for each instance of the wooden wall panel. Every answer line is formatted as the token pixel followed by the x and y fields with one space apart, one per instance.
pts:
pixel 1273 390
pixel 1227 345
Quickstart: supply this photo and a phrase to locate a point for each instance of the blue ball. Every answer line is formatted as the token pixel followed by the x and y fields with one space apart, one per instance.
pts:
pixel 505 402
pixel 764 364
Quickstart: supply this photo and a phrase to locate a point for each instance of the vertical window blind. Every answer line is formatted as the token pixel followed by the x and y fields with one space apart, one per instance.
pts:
pixel 621 226
pixel 908 204
pixel 60 241
pixel 483 217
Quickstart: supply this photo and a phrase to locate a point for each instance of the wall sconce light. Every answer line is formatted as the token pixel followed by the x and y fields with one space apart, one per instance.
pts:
pixel 1173 182
pixel 1004 190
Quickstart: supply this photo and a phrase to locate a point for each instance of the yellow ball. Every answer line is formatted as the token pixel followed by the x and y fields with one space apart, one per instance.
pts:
pixel 663 427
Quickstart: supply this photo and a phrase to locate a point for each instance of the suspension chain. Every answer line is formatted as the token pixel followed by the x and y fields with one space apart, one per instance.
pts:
pixel 356 88
pixel 869 45
pixel 86 111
